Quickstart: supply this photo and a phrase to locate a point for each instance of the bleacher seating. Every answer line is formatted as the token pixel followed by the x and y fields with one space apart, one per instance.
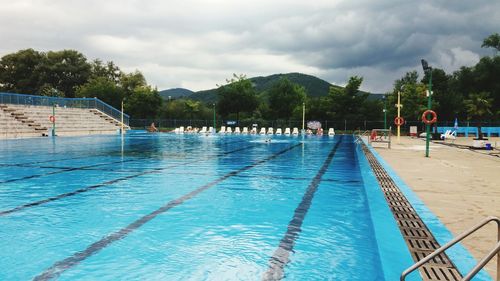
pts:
pixel 31 121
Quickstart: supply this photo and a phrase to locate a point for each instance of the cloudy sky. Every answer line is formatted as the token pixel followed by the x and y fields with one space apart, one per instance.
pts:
pixel 197 44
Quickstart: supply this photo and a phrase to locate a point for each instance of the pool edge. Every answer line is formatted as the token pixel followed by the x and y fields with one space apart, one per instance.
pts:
pixel 458 254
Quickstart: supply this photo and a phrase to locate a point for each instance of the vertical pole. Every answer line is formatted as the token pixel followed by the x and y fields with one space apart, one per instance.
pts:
pixel 303 115
pixel 385 113
pixel 498 253
pixel 54 123
pixel 428 126
pixel 399 114
pixel 214 119
pixel 123 127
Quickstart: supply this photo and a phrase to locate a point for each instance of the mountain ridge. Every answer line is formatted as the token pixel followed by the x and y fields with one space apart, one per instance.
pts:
pixel 315 87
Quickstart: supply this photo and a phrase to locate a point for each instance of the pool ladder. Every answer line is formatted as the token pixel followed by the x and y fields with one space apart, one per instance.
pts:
pixel 479 266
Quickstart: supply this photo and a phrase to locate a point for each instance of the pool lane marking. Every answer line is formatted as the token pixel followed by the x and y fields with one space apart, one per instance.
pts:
pixel 88 188
pixel 55 160
pixel 59 267
pixel 27 164
pixel 281 255
pixel 70 169
pixel 64 170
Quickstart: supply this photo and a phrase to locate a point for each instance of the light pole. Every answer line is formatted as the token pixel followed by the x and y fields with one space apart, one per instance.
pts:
pixel 214 117
pixel 385 112
pixel 427 69
pixel 399 105
pixel 54 119
pixel 303 117
pixel 122 125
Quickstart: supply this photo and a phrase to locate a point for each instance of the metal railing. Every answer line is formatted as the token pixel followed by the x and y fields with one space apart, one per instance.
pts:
pixel 32 100
pixel 479 266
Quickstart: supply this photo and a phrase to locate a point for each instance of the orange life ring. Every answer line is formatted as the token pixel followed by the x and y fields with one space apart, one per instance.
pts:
pixel 427 121
pixel 52 118
pixel 399 121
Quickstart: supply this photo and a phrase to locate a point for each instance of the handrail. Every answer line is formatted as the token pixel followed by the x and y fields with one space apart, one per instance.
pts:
pixel 479 266
pixel 11 98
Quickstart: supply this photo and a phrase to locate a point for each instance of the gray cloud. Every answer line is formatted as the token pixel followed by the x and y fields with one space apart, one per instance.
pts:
pixel 197 44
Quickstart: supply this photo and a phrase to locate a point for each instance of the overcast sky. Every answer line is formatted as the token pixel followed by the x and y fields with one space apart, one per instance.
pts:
pixel 197 44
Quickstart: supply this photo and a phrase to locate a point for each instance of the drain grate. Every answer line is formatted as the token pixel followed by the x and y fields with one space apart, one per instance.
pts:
pixel 417 236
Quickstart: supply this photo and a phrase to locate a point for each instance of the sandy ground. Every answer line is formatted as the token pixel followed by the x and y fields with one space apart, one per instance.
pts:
pixel 460 186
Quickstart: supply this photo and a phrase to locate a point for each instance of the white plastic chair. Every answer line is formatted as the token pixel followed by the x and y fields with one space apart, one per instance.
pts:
pixel 237 130
pixel 229 130
pixel 211 130
pixel 278 131
pixel 262 131
pixel 222 130
pixel 181 130
pixel 287 131
pixel 203 130
pixel 295 131
pixel 245 130
pixel 270 131
pixel 331 132
pixel 449 135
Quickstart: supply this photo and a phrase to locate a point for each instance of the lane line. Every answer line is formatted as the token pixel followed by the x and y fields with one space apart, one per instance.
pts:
pixel 70 169
pixel 281 256
pixel 59 267
pixel 89 188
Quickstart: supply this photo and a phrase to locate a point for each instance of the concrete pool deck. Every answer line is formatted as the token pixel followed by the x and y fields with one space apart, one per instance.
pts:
pixel 460 186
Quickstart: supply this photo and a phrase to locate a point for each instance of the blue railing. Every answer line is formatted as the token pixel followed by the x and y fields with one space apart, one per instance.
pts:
pixel 9 98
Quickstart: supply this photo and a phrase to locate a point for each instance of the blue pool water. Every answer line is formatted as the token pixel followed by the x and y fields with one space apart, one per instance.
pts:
pixel 185 207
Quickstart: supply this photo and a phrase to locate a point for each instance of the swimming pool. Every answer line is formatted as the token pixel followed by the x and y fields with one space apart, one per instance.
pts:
pixel 189 207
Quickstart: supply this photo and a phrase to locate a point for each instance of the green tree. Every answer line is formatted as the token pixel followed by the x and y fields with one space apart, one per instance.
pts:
pixel 130 81
pixel 109 71
pixel 478 106
pixel 285 97
pixel 19 72
pixel 492 41
pixel 237 96
pixel 103 89
pixel 346 102
pixel 192 107
pixel 143 103
pixel 65 71
pixel 413 97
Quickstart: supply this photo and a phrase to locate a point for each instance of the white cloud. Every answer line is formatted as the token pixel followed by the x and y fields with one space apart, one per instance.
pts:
pixel 197 44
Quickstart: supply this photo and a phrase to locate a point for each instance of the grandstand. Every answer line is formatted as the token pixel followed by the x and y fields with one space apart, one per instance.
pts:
pixel 32 116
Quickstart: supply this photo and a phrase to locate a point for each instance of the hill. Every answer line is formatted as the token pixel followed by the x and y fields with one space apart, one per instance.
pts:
pixel 315 87
pixel 175 93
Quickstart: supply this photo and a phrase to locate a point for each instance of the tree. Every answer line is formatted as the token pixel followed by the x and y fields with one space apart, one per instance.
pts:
pixel 237 96
pixel 412 97
pixel 103 89
pixel 130 81
pixel 346 102
pixel 109 70
pixel 285 97
pixel 143 103
pixel 65 71
pixel 19 72
pixel 192 107
pixel 478 106
pixel 492 41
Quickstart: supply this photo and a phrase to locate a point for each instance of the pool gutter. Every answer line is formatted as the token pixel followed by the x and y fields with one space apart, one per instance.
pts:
pixel 394 265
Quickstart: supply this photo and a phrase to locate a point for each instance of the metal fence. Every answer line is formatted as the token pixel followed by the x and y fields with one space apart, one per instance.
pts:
pixel 338 125
pixel 9 98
